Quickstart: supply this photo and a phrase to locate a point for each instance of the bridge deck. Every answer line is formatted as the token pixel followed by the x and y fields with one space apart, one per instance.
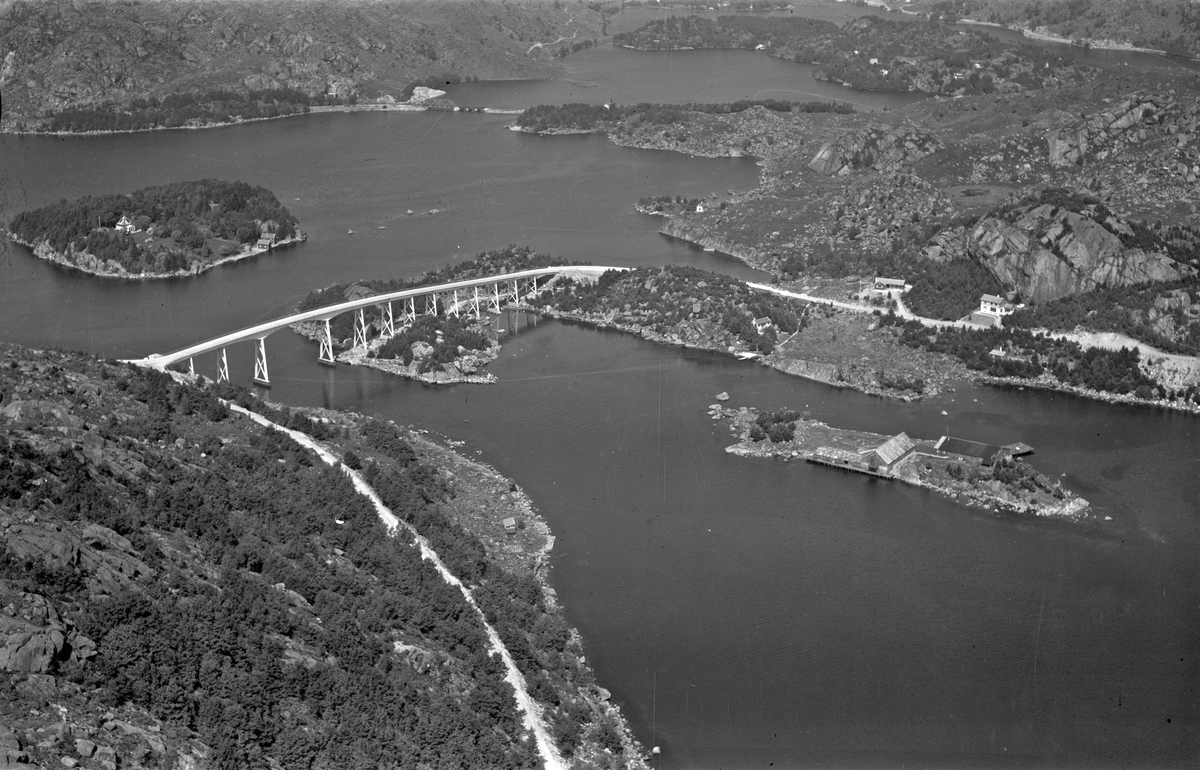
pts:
pixel 260 331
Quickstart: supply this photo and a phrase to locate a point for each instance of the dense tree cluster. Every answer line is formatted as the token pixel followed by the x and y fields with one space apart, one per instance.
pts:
pixel 184 109
pixel 779 426
pixel 282 624
pixel 448 336
pixel 667 301
pixel 174 222
pixel 578 116
pixel 1005 352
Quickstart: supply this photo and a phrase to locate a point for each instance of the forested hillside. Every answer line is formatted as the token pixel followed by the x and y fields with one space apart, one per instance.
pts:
pixel 1169 25
pixel 170 225
pixel 91 62
pixel 197 591
pixel 874 54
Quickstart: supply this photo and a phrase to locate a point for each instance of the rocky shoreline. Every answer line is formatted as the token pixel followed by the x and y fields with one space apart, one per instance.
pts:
pixel 87 263
pixel 484 498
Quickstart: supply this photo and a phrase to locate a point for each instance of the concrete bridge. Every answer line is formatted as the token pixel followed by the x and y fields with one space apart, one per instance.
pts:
pixel 472 296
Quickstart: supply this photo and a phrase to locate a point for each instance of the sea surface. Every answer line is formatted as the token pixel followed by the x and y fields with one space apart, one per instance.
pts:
pixel 744 613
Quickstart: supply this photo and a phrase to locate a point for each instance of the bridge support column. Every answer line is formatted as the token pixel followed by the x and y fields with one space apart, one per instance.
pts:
pixel 495 298
pixel 191 367
pixel 387 322
pixel 516 293
pixel 222 367
pixel 325 354
pixel 360 328
pixel 410 312
pixel 431 307
pixel 475 302
pixel 453 305
pixel 260 362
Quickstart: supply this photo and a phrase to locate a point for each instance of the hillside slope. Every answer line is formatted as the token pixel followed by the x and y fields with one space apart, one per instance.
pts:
pixel 63 54
pixel 182 588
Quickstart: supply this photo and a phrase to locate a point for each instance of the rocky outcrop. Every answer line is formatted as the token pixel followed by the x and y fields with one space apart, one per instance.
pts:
pixel 880 148
pixel 34 637
pixel 1048 252
pixel 1129 121
pixel 681 228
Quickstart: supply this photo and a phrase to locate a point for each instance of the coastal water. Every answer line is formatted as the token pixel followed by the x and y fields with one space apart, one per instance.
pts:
pixel 743 612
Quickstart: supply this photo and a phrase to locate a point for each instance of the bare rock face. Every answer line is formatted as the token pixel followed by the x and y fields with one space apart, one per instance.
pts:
pixel 1049 252
pixel 33 636
pixel 883 149
pixel 1127 121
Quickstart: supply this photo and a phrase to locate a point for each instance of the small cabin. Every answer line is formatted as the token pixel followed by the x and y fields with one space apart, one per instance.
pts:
pixel 762 324
pixel 890 285
pixel 125 225
pixel 510 525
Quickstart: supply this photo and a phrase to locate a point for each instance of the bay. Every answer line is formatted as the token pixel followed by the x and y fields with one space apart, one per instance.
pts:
pixel 742 612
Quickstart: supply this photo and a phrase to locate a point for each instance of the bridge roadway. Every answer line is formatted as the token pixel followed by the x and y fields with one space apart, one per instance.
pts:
pixel 502 287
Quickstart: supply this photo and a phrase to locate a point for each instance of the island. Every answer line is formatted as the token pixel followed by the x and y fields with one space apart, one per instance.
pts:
pixel 196 578
pixel 972 472
pixel 177 229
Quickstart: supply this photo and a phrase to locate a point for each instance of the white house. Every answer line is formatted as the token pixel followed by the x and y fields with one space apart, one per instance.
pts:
pixel 125 225
pixel 997 306
pixel 762 324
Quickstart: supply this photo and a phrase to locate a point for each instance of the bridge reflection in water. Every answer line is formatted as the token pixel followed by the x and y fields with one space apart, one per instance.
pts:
pixel 473 296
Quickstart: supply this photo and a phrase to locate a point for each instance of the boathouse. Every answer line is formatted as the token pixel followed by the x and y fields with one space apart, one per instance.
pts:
pixel 963 449
pixel 885 456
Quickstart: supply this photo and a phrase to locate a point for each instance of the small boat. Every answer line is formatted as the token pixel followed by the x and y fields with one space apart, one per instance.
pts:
pixel 349 232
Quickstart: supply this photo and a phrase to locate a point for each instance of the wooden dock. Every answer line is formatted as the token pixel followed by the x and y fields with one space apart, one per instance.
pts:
pixel 846 466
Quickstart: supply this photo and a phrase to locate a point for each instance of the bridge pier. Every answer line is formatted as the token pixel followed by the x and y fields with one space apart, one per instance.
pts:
pixel 431 308
pixel 191 367
pixel 360 328
pixel 325 354
pixel 494 299
pixel 453 308
pixel 410 310
pixel 222 368
pixel 260 362
pixel 387 322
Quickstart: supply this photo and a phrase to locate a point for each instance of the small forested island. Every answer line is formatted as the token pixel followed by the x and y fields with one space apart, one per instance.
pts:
pixel 163 231
pixel 974 473
pixel 191 577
